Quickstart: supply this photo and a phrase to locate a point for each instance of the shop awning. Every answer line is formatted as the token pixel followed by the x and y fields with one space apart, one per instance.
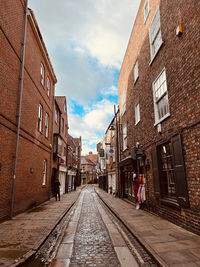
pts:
pixel 127 161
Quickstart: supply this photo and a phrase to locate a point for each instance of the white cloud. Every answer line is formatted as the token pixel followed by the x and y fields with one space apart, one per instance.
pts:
pixel 110 91
pixel 90 125
pixel 86 41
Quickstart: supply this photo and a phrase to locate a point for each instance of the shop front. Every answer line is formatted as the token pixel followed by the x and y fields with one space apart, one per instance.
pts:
pixel 132 179
pixel 62 178
pixel 71 179
pixel 112 183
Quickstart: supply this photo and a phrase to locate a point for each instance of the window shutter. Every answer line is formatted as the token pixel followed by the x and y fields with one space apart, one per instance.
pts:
pixel 155 170
pixel 179 171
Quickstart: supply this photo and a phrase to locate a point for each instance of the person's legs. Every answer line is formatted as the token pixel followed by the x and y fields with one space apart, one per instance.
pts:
pixel 59 195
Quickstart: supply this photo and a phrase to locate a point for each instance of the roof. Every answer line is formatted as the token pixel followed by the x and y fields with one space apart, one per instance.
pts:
pixel 38 35
pixel 85 161
pixel 92 157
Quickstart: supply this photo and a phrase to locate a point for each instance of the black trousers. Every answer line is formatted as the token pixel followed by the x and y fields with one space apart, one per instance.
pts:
pixel 57 195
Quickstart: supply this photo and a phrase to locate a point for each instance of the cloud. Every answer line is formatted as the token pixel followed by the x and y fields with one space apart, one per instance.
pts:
pixel 93 124
pixel 80 76
pixel 102 27
pixel 86 41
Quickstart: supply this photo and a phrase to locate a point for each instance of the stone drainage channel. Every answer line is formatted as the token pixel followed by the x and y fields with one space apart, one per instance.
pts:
pixel 91 235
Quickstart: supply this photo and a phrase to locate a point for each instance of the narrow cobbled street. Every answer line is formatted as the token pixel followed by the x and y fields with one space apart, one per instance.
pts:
pixel 94 237
pixel 87 240
pixel 92 243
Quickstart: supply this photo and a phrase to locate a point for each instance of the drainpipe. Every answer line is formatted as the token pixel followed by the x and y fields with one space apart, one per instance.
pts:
pixel 19 111
pixel 52 147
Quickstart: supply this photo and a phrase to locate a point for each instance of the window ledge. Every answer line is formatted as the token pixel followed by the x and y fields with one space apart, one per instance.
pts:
pixel 170 202
pixel 156 54
pixel 161 120
pixel 137 122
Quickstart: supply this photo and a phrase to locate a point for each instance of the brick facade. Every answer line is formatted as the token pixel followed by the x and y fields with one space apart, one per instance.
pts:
pixel 60 143
pixel 177 55
pixel 31 187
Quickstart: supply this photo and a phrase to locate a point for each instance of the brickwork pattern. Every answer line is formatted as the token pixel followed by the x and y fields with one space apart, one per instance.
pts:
pixel 34 147
pixel 178 55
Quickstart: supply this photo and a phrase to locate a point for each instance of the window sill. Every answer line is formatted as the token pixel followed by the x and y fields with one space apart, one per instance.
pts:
pixel 170 202
pixel 156 54
pixel 137 123
pixel 161 120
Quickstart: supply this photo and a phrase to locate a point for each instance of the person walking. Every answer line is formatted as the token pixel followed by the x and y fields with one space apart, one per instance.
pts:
pixel 57 189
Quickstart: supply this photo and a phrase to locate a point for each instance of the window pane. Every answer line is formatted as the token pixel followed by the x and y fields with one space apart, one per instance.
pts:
pixel 167 170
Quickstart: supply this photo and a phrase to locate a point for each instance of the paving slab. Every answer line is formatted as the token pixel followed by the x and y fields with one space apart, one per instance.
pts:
pixel 170 244
pixel 23 235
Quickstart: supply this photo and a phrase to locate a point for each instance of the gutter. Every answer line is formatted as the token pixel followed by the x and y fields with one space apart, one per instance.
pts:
pixel 19 112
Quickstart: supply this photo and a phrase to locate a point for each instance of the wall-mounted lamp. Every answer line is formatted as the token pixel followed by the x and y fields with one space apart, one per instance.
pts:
pixel 31 170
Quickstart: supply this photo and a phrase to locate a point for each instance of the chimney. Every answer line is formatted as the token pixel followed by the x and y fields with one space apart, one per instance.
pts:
pixel 90 153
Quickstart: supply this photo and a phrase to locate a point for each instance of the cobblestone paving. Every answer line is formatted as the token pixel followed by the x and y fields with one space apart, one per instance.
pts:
pixel 148 260
pixel 92 244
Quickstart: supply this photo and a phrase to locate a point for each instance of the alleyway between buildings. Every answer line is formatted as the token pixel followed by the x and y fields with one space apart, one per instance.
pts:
pixel 92 236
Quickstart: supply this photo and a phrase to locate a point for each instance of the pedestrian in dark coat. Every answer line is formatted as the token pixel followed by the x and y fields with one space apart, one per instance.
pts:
pixel 57 189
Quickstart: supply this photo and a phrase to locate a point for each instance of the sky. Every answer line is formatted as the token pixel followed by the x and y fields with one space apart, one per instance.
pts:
pixel 86 41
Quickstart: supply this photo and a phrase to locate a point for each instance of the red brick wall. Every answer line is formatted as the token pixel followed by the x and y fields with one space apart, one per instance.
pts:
pixel 34 147
pixel 179 57
pixel 11 38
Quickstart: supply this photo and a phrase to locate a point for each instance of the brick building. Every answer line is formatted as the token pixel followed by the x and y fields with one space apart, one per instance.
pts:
pixel 102 177
pixel 78 143
pixel 111 154
pixel 25 115
pixel 159 92
pixel 88 168
pixel 73 162
pixel 60 147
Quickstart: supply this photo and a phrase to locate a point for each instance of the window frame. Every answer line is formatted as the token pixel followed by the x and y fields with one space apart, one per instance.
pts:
pixel 136 72
pixel 40 117
pixel 157 34
pixel 47 125
pixel 137 113
pixel 42 74
pixel 48 86
pixel 44 173
pixel 156 101
pixel 166 160
pixel 181 198
pixel 144 8
pixel 124 134
pixel 123 103
pixel 56 115
pixel 63 125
